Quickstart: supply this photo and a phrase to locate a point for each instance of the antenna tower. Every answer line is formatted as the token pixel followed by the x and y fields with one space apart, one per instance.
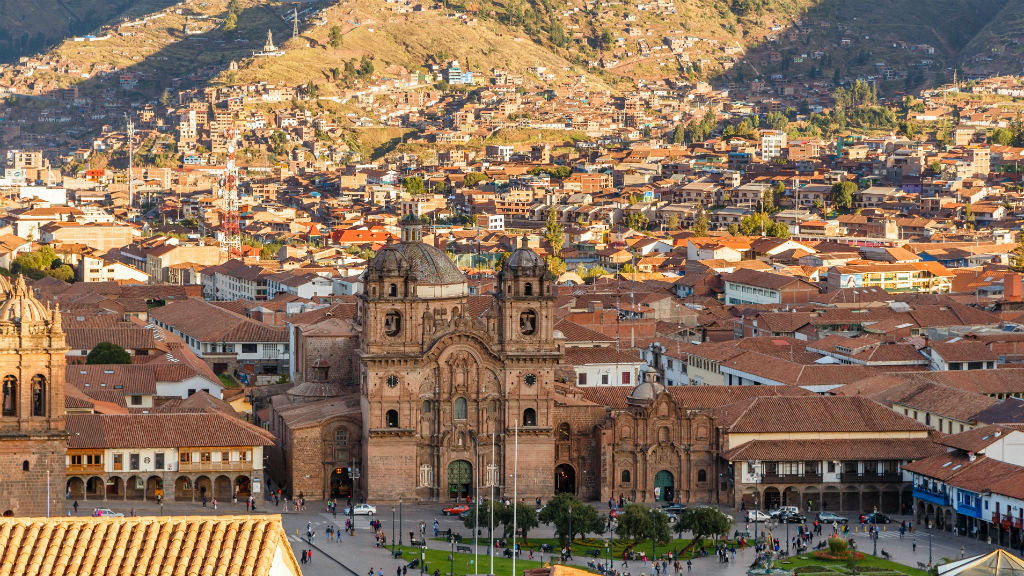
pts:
pixel 131 158
pixel 229 197
pixel 295 22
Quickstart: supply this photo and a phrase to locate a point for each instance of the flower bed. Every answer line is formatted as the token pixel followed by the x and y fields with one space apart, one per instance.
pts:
pixel 827 555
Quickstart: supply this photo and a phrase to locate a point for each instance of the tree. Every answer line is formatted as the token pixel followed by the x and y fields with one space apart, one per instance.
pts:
pixel 501 261
pixel 556 266
pixel 596 272
pixel 968 216
pixel 413 185
pixel 335 37
pixel 703 521
pixel 607 39
pixel 1001 137
pixel 673 222
pixel 107 353
pixel 637 221
pixel 565 506
pixel 679 134
pixel 842 194
pixel 525 516
pixel 230 22
pixel 1016 255
pixel 638 522
pixel 553 232
pixel 701 225
pixel 628 268
pixel 474 178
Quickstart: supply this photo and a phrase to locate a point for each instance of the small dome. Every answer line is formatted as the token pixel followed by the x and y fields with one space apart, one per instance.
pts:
pixel 647 390
pixel 388 262
pixel 22 307
pixel 525 262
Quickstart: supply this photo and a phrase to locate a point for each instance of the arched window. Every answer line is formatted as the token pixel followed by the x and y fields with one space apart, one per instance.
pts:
pixel 426 406
pixel 10 399
pixel 528 289
pixel 529 417
pixel 341 437
pixel 391 419
pixel 564 432
pixel 702 475
pixel 624 477
pixel 24 466
pixel 392 323
pixel 663 434
pixel 393 290
pixel 460 408
pixel 39 395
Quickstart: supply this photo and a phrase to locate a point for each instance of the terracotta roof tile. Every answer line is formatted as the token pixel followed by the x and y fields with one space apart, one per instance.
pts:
pixel 162 430
pixel 219 545
pixel 854 449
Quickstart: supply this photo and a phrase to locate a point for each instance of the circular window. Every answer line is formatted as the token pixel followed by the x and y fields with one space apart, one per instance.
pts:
pixel 392 323
pixel 528 322
pixel 392 381
pixel 530 379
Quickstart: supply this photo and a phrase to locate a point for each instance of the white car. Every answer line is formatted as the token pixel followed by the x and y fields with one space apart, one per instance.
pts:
pixel 106 512
pixel 361 510
pixel 757 516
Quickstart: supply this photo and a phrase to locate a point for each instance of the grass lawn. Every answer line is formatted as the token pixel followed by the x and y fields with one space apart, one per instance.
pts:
pixel 438 559
pixel 807 564
pixel 583 546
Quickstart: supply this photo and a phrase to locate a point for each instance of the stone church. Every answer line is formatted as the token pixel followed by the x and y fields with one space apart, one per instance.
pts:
pixel 32 435
pixel 425 389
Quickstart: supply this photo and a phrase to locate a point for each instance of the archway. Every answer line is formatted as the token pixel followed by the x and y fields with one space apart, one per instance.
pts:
pixel 749 499
pixel 183 489
pixel 790 497
pixel 947 519
pixel 154 488
pixel 830 499
pixel 812 499
pixel 135 488
pixel 222 488
pixel 341 483
pixel 871 499
pixel 664 486
pixel 203 487
pixel 460 478
pixel 851 500
pixel 906 499
pixel 891 500
pixel 115 487
pixel 94 487
pixel 243 488
pixel 75 487
pixel 565 479
pixel 772 498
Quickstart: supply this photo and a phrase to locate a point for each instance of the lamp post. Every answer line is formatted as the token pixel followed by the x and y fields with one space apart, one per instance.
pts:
pixel 611 546
pixel 423 558
pixel 757 496
pixel 451 557
pixel 929 548
pixel 874 531
pixel 654 541
pixel 399 521
pixel 392 531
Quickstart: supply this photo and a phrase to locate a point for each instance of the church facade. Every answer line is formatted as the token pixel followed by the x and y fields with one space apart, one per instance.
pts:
pixel 32 435
pixel 454 392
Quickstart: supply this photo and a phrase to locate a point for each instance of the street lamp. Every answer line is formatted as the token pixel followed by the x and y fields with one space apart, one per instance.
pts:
pixel 423 558
pixel 756 466
pixel 451 556
pixel 654 541
pixel 392 531
pixel 399 522
pixel 874 531
pixel 611 546
pixel 929 548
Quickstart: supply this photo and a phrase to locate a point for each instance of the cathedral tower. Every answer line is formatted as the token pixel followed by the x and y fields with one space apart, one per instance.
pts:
pixel 32 434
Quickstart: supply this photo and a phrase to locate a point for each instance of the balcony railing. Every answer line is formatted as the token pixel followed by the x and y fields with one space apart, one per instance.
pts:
pixel 85 468
pixel 232 466
pixel 793 478
pixel 871 477
pixel 1006 521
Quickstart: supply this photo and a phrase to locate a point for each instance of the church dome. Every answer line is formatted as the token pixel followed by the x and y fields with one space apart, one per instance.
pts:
pixel 22 307
pixel 318 387
pixel 525 262
pixel 420 262
pixel 388 262
pixel 647 390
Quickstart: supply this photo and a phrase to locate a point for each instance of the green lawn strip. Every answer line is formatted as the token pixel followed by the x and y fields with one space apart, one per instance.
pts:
pixel 583 546
pixel 438 559
pixel 867 565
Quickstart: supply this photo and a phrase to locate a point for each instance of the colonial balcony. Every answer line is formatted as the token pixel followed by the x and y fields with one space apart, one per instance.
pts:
pixel 871 477
pixel 232 466
pixel 810 478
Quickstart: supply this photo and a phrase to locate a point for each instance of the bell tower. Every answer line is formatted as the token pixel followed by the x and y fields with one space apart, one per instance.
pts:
pixel 33 443
pixel 526 299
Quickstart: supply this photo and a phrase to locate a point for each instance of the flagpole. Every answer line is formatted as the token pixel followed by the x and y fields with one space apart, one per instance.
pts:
pixel 515 495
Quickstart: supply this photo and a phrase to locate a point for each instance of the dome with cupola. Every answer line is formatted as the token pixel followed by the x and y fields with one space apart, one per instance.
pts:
pixel 21 307
pixel 525 262
pixel 430 270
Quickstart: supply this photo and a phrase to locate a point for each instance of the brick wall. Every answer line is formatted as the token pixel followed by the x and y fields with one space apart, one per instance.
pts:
pixel 25 493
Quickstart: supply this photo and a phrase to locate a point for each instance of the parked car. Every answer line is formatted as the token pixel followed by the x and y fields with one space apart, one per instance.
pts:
pixel 829 518
pixel 776 511
pixel 729 516
pixel 874 518
pixel 455 510
pixel 673 508
pixel 757 516
pixel 789 517
pixel 106 512
pixel 361 510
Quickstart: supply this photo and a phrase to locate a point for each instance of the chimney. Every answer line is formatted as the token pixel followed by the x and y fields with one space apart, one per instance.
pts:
pixel 1013 290
pixel 594 306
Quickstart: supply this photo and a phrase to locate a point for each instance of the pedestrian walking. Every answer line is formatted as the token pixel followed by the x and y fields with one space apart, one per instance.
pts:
pixel 962 550
pixel 689 566
pixel 913 545
pixel 75 505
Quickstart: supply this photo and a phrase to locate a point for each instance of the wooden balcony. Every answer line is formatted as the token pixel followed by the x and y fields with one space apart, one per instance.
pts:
pixel 74 470
pixel 232 466
pixel 810 478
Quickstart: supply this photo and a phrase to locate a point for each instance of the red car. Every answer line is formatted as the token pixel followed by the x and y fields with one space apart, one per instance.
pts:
pixel 455 510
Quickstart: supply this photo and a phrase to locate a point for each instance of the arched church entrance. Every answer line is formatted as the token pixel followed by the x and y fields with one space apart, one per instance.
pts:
pixel 565 479
pixel 341 483
pixel 664 486
pixel 460 479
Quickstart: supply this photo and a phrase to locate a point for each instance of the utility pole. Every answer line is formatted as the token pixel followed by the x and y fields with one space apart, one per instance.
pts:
pixel 295 22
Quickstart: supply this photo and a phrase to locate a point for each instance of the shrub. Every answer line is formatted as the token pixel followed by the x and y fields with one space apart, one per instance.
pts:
pixel 837 546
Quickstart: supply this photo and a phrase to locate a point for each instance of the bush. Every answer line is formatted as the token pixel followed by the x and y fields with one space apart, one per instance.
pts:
pixel 837 546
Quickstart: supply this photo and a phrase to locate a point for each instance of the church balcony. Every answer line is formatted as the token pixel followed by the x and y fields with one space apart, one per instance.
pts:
pixel 231 466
